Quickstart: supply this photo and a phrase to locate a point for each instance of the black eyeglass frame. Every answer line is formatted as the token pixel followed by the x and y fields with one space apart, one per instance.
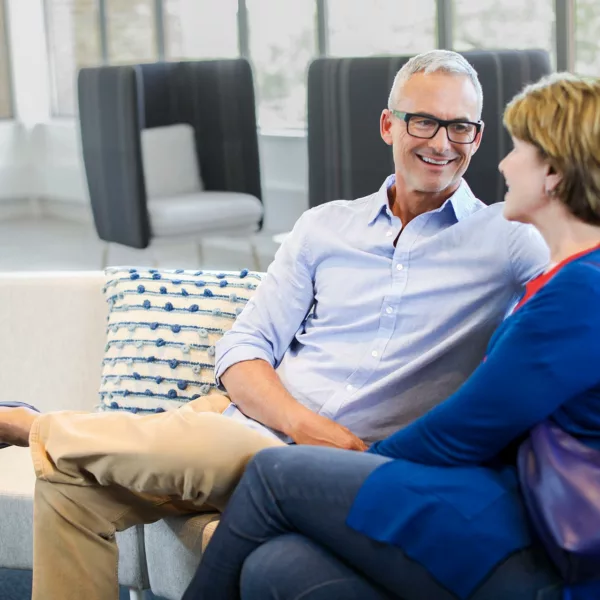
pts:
pixel 406 117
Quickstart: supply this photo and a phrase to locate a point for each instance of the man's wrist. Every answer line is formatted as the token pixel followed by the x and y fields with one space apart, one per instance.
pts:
pixel 299 421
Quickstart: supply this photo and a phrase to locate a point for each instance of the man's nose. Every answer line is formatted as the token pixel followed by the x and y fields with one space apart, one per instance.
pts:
pixel 440 142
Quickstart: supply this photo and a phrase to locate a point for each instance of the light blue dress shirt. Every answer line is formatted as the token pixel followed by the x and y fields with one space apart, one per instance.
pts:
pixel 374 335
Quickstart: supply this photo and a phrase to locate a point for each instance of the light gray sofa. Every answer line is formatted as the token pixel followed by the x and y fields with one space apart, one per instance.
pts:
pixel 52 336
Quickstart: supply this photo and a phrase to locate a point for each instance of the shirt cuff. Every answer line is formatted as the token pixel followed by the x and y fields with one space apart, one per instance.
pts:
pixel 236 355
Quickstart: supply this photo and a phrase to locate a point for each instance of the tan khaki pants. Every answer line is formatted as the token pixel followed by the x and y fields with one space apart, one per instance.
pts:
pixel 102 473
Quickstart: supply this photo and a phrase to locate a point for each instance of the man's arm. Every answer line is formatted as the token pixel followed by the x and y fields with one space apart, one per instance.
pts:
pixel 528 253
pixel 247 355
pixel 257 390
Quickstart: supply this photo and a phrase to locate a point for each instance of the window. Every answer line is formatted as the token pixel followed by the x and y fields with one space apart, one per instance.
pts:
pixel 587 37
pixel 131 26
pixel 74 42
pixel 490 24
pixel 5 91
pixel 200 29
pixel 381 27
pixel 282 43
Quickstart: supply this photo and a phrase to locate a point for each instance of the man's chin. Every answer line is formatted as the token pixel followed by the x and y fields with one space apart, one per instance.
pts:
pixel 437 187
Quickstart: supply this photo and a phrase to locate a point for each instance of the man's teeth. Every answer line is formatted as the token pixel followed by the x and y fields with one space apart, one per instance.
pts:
pixel 434 162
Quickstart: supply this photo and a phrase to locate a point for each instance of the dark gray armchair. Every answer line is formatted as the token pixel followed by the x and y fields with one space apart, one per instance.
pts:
pixel 348 159
pixel 216 98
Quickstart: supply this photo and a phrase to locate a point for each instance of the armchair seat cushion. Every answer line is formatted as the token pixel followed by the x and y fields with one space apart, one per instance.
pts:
pixel 204 213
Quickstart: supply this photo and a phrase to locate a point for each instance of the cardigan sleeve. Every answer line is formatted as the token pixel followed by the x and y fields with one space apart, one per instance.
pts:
pixel 548 355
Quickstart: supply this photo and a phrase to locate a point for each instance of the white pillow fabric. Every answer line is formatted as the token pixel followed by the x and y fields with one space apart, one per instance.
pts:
pixel 161 334
pixel 170 162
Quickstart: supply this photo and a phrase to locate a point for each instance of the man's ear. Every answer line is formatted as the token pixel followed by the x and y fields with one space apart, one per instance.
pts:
pixel 385 126
pixel 477 141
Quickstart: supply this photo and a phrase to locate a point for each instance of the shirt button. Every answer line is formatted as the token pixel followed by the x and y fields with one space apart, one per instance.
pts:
pixel 390 233
pixel 389 310
pixel 375 354
pixel 349 387
pixel 399 267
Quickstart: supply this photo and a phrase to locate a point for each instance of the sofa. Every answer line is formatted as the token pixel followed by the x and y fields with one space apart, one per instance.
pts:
pixel 53 334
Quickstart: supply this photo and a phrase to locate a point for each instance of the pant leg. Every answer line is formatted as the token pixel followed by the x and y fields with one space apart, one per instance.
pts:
pixel 291 567
pixel 193 454
pixel 310 491
pixel 101 473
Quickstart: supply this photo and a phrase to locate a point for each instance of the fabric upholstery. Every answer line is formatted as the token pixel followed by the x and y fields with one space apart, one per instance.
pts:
pixel 169 161
pixel 347 157
pixel 204 212
pixel 116 102
pixel 53 335
pixel 110 122
pixel 174 548
pixel 162 330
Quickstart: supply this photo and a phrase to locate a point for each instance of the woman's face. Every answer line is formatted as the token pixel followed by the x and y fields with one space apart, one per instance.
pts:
pixel 526 177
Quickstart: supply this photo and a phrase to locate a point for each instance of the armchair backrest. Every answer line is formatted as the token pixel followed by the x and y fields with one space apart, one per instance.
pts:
pixel 116 102
pixel 347 157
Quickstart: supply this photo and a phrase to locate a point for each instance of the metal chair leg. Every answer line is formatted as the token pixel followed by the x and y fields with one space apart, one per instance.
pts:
pixel 255 255
pixel 104 258
pixel 200 256
pixel 137 595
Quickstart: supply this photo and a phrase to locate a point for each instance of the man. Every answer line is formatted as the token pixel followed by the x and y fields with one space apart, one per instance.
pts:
pixel 373 311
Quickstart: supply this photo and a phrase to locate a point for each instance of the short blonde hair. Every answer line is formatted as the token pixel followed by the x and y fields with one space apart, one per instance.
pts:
pixel 560 115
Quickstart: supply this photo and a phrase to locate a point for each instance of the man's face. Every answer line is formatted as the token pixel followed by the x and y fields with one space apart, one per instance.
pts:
pixel 442 95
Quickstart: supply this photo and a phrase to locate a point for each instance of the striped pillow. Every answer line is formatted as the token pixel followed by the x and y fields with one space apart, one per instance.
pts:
pixel 161 334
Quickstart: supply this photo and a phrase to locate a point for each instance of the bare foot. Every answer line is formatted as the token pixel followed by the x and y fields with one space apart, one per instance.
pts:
pixel 15 425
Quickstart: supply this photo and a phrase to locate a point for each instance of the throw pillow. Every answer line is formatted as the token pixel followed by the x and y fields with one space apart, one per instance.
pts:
pixel 161 334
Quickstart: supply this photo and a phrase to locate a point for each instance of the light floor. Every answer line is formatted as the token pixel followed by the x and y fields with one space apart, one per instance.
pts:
pixel 40 244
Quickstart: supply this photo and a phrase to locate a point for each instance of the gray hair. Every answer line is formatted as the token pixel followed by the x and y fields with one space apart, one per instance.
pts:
pixel 435 61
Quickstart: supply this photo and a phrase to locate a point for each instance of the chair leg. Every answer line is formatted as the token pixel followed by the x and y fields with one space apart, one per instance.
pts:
pixel 255 255
pixel 104 259
pixel 200 255
pixel 137 595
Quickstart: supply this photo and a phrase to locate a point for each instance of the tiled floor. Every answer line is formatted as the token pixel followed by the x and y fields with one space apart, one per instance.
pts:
pixel 52 244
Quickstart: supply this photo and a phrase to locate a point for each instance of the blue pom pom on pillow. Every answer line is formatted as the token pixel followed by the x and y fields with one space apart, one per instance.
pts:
pixel 161 334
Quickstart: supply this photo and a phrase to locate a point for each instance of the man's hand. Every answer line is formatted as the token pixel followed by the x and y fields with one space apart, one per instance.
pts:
pixel 320 431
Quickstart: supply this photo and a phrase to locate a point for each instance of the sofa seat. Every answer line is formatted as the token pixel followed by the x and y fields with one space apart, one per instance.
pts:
pixel 204 213
pixel 174 547
pixel 17 482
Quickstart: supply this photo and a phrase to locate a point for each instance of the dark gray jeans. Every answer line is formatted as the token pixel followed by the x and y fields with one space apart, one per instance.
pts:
pixel 283 536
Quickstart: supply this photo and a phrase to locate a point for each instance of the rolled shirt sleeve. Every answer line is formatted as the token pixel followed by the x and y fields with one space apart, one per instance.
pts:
pixel 267 325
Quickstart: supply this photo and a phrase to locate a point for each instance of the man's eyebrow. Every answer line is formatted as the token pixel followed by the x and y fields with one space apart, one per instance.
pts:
pixel 426 114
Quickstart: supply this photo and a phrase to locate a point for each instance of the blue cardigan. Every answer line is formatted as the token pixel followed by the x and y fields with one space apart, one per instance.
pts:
pixel 451 498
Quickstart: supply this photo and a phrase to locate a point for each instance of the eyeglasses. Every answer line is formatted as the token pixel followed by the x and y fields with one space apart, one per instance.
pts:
pixel 426 127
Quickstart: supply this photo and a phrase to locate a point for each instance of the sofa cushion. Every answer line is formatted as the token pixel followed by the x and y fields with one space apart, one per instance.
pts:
pixel 17 482
pixel 161 334
pixel 174 547
pixel 170 161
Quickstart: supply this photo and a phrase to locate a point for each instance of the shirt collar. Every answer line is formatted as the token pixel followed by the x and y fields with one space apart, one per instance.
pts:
pixel 463 202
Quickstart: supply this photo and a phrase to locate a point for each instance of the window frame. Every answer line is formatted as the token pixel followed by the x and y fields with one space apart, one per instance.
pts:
pixel 5 46
pixel 564 11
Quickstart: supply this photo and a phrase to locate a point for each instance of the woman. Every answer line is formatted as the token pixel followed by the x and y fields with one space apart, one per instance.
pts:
pixel 434 512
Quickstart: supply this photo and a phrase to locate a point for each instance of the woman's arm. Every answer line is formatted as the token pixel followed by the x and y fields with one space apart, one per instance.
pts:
pixel 550 355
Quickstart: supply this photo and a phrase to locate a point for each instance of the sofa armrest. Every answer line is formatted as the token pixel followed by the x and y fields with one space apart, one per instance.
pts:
pixel 52 335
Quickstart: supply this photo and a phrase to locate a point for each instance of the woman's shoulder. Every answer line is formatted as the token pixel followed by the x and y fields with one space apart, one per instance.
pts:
pixel 583 273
